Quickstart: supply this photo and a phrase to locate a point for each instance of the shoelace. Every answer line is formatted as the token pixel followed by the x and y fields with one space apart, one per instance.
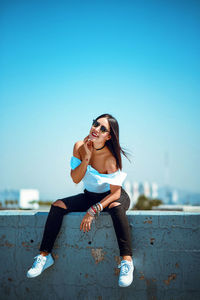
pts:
pixel 125 268
pixel 38 261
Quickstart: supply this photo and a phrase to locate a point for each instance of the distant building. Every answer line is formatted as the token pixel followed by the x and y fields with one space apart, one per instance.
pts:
pixel 154 190
pixel 169 195
pixel 150 190
pixel 23 198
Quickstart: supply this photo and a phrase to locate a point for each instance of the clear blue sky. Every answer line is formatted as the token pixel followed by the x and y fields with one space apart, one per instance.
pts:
pixel 65 62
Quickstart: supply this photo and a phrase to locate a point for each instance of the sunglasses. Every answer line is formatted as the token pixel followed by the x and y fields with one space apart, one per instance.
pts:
pixel 103 129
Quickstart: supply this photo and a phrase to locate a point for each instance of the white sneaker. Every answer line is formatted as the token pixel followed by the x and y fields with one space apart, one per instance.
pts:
pixel 40 264
pixel 126 273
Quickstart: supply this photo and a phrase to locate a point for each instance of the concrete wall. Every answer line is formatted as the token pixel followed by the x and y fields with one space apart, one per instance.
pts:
pixel 166 247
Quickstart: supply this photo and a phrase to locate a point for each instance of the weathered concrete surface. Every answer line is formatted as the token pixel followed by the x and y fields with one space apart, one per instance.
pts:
pixel 166 247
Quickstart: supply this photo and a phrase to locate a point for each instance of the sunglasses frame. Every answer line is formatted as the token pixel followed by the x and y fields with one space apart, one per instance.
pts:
pixel 98 124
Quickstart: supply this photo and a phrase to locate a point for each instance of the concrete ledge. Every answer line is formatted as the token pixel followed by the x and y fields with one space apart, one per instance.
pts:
pixel 166 247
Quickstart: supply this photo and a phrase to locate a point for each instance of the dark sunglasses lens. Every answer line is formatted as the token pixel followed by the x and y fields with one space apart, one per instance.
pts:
pixel 95 123
pixel 103 129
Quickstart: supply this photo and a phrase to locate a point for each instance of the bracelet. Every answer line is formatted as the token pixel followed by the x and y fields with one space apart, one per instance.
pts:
pixel 101 206
pixel 95 209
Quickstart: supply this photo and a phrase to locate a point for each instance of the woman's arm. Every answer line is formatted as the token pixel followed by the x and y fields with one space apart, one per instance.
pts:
pixel 115 193
pixel 79 172
pixel 115 190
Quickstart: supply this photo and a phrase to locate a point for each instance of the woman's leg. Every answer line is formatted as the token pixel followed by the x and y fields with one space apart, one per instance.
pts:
pixel 117 210
pixel 122 230
pixel 52 228
pixel 55 217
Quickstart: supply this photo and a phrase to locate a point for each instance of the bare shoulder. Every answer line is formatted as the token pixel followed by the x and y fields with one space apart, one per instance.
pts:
pixel 111 164
pixel 77 149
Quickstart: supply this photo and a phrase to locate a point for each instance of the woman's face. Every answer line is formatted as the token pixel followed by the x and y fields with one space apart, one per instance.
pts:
pixel 100 131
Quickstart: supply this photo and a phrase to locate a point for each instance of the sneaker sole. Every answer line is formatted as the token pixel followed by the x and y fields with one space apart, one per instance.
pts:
pixel 126 285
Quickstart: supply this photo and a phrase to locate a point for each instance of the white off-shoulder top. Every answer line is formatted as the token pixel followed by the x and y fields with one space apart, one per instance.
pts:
pixel 97 182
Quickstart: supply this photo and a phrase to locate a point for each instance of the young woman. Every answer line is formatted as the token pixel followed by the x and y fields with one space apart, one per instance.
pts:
pixel 97 161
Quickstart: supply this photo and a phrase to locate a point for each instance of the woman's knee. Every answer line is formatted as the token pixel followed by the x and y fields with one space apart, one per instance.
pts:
pixel 59 203
pixel 114 204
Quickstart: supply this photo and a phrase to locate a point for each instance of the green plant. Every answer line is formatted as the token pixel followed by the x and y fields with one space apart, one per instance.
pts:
pixel 145 203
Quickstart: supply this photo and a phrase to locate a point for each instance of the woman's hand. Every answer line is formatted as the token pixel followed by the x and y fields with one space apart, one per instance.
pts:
pixel 86 222
pixel 88 145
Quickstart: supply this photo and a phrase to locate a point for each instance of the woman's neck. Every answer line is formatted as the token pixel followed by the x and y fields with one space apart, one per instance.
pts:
pixel 98 149
pixel 99 146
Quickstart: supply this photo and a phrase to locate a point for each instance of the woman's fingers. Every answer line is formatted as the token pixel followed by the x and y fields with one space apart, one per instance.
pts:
pixel 90 145
pixel 87 142
pixel 86 224
pixel 89 226
pixel 83 225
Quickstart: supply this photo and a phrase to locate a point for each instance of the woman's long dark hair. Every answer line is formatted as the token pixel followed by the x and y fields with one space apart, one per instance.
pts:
pixel 113 143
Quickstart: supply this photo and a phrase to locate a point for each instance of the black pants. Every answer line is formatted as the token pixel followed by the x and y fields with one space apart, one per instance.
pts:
pixel 82 202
